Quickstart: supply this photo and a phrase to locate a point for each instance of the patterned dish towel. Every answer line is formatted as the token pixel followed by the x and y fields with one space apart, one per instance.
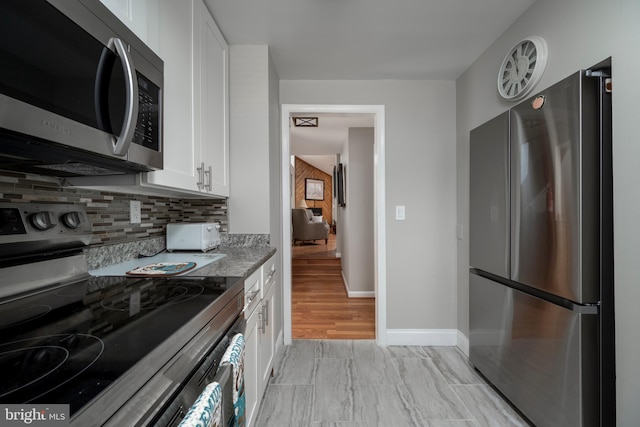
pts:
pixel 207 409
pixel 234 356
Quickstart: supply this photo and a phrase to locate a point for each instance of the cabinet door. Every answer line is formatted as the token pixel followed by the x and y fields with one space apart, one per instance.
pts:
pixel 212 102
pixel 181 150
pixel 196 99
pixel 251 367
pixel 267 336
pixel 141 17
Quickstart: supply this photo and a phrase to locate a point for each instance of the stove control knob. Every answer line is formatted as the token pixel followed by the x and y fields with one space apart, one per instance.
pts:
pixel 44 220
pixel 71 220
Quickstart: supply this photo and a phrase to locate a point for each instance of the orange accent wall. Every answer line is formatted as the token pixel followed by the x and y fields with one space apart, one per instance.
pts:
pixel 305 170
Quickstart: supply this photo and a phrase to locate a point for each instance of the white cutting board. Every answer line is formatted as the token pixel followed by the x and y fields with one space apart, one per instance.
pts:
pixel 121 269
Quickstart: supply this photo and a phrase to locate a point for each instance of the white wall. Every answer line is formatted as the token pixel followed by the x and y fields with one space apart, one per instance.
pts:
pixel 255 201
pixel 420 174
pixel 358 261
pixel 275 184
pixel 249 132
pixel 579 33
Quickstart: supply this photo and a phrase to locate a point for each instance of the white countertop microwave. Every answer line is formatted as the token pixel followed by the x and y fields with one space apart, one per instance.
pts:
pixel 193 236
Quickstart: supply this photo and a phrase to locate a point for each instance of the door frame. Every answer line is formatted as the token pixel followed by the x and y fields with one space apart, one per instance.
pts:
pixel 380 253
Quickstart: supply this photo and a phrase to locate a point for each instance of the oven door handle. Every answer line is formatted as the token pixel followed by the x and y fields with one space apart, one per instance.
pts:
pixel 225 378
pixel 177 416
pixel 123 141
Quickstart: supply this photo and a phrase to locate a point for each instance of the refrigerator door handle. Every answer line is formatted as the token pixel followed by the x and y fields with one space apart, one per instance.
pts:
pixel 507 196
pixel 514 248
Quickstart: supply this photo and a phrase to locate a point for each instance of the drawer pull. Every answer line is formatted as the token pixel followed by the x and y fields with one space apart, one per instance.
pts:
pixel 252 295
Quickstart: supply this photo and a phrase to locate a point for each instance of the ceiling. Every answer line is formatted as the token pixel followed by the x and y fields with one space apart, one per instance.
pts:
pixel 318 146
pixel 368 39
pixel 329 136
pixel 362 40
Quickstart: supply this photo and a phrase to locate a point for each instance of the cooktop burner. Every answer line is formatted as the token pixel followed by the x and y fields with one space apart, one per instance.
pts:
pixel 151 297
pixel 40 365
pixel 66 345
pixel 16 315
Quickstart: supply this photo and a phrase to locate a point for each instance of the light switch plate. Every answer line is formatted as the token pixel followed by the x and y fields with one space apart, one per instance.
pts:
pixel 135 214
pixel 399 213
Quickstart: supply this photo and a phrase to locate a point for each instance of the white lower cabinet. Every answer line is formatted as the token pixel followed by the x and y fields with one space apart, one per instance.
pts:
pixel 261 334
pixel 251 368
pixel 267 335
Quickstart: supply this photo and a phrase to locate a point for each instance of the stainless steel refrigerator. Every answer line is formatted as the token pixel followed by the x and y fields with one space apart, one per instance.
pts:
pixel 541 257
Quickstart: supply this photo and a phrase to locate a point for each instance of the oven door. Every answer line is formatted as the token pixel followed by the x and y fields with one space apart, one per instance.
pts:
pixel 207 372
pixel 88 90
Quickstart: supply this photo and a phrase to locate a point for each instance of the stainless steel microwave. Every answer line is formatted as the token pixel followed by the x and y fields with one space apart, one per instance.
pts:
pixel 80 94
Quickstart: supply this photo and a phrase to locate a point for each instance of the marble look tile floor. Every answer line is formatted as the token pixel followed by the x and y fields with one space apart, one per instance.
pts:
pixel 330 383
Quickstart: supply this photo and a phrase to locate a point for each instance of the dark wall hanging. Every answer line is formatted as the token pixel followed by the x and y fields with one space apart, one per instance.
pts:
pixel 338 184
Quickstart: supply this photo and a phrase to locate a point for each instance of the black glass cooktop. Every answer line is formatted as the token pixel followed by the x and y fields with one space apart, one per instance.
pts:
pixel 68 344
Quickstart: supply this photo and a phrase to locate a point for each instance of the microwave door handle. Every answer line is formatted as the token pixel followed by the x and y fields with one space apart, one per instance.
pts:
pixel 131 112
pixel 100 90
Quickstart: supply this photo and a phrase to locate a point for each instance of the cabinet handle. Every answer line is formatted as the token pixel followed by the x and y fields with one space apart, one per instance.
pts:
pixel 266 314
pixel 200 170
pixel 252 295
pixel 209 173
pixel 262 327
pixel 271 273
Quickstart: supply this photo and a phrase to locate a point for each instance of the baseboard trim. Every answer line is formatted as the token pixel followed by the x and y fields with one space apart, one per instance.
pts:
pixel 463 343
pixel 361 294
pixel 279 345
pixel 424 337
pixel 356 294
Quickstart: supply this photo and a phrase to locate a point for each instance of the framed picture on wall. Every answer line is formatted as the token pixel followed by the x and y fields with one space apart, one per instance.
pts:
pixel 313 189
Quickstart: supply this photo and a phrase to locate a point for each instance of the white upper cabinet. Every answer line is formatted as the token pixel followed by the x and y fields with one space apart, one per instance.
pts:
pixel 196 99
pixel 179 145
pixel 140 16
pixel 212 101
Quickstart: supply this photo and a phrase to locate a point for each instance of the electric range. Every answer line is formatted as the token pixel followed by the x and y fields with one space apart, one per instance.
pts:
pixel 110 347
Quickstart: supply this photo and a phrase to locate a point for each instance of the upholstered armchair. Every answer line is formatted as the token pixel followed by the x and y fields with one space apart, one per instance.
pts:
pixel 305 229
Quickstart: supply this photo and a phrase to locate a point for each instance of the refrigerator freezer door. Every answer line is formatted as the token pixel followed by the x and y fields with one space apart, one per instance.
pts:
pixel 555 189
pixel 489 196
pixel 540 355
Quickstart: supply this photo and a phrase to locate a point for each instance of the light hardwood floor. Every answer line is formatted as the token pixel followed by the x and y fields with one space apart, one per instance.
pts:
pixel 320 306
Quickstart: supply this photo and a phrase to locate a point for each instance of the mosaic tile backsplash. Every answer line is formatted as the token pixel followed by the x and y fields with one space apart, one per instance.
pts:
pixel 109 212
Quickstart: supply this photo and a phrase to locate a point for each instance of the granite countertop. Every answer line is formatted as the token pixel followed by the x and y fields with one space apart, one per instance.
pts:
pixel 244 253
pixel 238 261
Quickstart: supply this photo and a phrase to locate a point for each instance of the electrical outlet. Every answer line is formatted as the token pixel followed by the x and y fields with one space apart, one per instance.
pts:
pixel 135 214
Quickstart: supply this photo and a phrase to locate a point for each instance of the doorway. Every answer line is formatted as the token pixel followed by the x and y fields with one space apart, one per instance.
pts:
pixel 289 110
pixel 320 306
